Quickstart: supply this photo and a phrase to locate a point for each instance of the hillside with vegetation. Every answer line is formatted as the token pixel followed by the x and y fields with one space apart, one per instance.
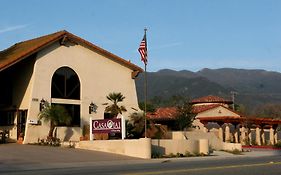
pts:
pixel 255 89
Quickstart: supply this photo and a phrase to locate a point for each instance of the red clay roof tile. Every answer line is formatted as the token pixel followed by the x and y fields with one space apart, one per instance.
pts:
pixel 22 50
pixel 168 113
pixel 231 119
pixel 210 99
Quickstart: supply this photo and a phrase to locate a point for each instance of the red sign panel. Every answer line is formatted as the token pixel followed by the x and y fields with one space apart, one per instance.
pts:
pixel 106 126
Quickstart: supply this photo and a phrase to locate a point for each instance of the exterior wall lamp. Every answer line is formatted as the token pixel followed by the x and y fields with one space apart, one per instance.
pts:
pixel 42 104
pixel 93 108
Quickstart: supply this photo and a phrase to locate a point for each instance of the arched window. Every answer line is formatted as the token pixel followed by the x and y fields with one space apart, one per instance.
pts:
pixel 65 84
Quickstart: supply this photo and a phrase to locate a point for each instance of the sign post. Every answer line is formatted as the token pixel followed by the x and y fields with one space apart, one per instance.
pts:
pixel 91 129
pixel 123 126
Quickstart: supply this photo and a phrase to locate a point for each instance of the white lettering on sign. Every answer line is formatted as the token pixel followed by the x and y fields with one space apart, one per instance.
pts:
pixel 113 125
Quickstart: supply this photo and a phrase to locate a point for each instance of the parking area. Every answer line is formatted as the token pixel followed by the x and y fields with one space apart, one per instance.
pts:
pixel 33 154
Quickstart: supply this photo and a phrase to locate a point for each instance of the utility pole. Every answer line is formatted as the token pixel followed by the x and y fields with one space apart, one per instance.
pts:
pixel 233 93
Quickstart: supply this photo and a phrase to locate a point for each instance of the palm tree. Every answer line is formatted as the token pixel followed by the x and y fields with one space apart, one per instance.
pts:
pixel 55 114
pixel 114 109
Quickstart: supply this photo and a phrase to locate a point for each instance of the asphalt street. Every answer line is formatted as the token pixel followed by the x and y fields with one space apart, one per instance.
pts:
pixel 25 159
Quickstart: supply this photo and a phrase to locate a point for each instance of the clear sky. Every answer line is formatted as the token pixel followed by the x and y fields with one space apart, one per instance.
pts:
pixel 182 34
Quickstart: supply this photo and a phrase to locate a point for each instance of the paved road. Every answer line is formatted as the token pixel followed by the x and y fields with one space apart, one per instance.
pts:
pixel 45 154
pixel 48 160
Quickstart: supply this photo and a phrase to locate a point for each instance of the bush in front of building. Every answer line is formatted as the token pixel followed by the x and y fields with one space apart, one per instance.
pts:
pixel 278 144
pixel 135 128
pixel 185 116
pixel 55 115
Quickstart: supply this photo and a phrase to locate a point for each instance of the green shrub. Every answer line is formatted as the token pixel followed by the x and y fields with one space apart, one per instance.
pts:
pixel 196 154
pixel 188 154
pixel 202 154
pixel 155 154
pixel 179 155
pixel 171 155
pixel 278 144
pixel 235 151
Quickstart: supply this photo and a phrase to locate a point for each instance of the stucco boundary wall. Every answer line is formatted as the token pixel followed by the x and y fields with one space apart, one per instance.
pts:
pixel 140 148
pixel 231 146
pixel 169 146
pixel 213 141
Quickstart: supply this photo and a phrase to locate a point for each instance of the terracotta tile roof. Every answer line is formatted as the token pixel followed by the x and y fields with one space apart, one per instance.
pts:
pixel 22 50
pixel 210 99
pixel 231 119
pixel 168 113
pixel 207 118
pixel 202 108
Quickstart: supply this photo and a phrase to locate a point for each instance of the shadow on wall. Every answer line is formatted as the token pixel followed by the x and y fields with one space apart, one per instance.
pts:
pixel 84 132
pixel 157 150
pixel 68 133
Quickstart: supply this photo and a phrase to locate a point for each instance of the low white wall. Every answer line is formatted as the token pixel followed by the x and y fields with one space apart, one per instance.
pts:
pixel 68 133
pixel 204 146
pixel 136 147
pixel 213 140
pixel 232 146
pixel 169 146
pixel 41 132
pixel 178 135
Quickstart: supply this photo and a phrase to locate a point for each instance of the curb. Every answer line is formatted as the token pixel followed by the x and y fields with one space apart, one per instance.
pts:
pixel 262 147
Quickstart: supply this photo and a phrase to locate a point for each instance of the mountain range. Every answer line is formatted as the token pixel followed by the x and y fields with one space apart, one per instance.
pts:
pixel 252 87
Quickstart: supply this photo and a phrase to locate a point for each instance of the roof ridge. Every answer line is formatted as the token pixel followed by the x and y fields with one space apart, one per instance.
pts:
pixel 22 49
pixel 33 39
pixel 61 31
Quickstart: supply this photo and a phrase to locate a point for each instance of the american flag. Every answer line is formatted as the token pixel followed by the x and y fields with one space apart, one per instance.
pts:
pixel 143 50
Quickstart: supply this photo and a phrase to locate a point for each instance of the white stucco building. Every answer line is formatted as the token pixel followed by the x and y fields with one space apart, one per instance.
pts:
pixel 63 69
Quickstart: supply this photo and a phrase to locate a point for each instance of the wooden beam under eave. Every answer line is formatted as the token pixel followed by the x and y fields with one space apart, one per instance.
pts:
pixel 67 41
pixel 135 74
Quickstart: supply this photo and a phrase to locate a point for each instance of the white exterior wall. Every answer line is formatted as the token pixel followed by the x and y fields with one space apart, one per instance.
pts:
pixel 223 104
pixel 133 147
pixel 98 77
pixel 23 87
pixel 217 112
pixel 213 140
pixel 174 146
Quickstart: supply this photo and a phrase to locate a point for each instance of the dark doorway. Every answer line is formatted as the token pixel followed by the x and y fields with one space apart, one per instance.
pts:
pixel 21 122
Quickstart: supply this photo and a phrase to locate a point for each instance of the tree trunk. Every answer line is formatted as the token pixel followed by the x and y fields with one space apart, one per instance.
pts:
pixel 52 127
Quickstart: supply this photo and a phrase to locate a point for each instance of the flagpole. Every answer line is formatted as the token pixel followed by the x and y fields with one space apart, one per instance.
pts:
pixel 145 90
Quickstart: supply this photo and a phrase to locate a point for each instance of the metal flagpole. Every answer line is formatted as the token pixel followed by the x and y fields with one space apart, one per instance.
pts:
pixel 145 87
pixel 143 52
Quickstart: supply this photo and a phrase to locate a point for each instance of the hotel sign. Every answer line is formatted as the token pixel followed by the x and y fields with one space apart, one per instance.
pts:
pixel 106 126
